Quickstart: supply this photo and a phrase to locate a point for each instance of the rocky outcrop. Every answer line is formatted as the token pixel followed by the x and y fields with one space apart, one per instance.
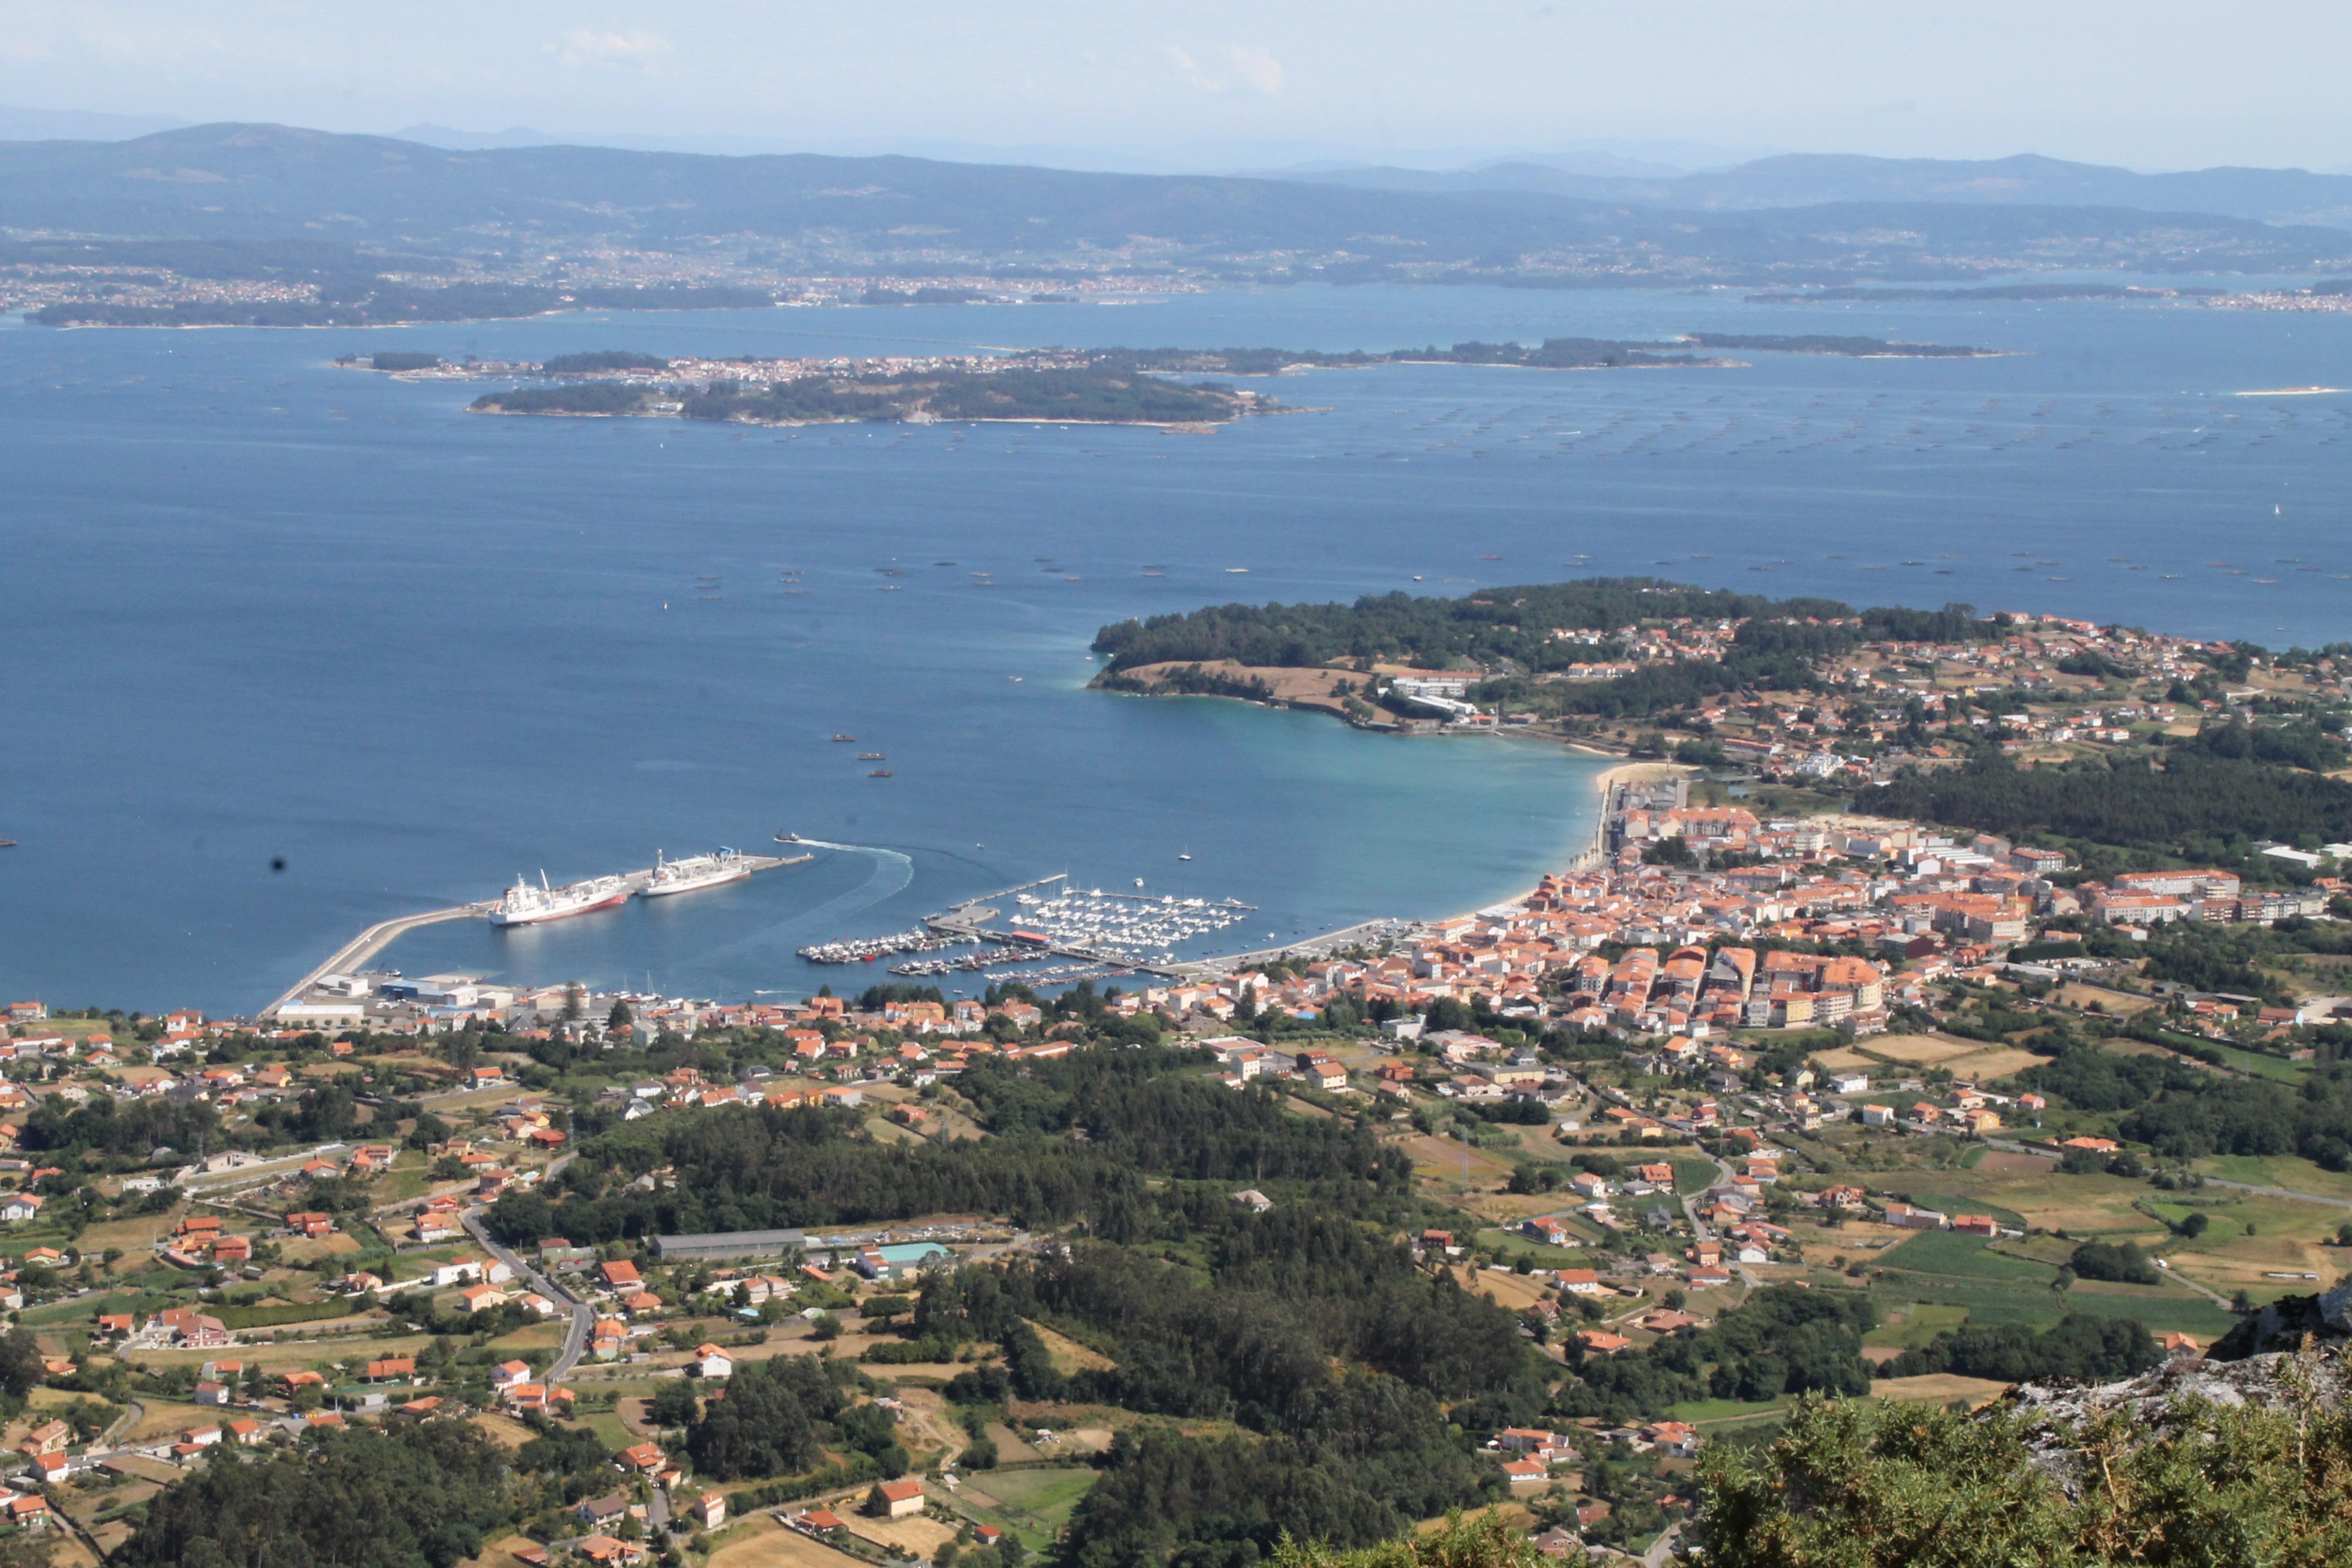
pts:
pixel 2284 1325
pixel 2181 1395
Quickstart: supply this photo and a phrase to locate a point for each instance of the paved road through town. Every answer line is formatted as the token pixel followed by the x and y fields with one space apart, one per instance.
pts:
pixel 575 1337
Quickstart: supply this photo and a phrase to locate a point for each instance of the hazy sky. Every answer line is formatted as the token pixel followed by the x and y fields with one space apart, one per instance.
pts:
pixel 2151 84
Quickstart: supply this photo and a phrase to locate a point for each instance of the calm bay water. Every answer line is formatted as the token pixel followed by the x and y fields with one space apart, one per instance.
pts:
pixel 263 609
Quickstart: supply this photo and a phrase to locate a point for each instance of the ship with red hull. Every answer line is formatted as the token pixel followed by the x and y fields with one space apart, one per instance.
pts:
pixel 525 905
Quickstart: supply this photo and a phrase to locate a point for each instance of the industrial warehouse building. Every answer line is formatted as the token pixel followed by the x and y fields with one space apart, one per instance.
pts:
pixel 726 1243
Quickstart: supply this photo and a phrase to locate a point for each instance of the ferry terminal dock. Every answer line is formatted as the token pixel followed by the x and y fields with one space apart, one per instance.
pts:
pixel 355 954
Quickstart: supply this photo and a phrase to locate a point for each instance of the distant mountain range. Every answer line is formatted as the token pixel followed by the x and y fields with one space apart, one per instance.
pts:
pixel 2266 195
pixel 1781 220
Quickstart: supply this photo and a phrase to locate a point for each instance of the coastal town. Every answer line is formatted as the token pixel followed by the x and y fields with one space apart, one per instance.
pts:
pixel 1662 1084
pixel 1766 1032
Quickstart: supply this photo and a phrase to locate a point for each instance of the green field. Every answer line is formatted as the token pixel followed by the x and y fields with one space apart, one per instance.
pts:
pixel 1032 1504
pixel 1952 1256
pixel 1920 1322
pixel 606 1424
pixel 2164 1312
pixel 1983 1301
pixel 1510 1244
pixel 1939 1299
pixel 2278 1069
pixel 2287 1172
pixel 1728 1410
pixel 1694 1175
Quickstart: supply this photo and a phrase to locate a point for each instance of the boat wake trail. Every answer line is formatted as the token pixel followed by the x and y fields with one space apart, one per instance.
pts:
pixel 891 873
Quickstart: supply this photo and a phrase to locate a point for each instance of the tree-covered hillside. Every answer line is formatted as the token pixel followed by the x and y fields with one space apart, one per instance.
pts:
pixel 1513 625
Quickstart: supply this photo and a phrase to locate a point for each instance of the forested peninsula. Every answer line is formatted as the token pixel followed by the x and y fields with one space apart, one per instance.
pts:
pixel 1089 394
pixel 2125 747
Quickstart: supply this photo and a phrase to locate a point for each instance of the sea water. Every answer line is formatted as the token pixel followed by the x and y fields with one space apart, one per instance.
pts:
pixel 293 648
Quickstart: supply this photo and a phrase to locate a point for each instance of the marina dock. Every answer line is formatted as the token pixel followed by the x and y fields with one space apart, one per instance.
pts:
pixel 968 921
pixel 354 955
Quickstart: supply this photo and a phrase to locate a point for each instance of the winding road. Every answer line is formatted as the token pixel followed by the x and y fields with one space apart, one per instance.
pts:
pixel 583 1317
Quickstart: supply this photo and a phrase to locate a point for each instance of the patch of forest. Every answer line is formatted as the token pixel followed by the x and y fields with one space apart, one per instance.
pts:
pixel 1345 1367
pixel 2202 805
pixel 1139 1117
pixel 2183 1114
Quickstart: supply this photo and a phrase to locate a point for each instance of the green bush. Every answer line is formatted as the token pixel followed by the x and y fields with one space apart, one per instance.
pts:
pixel 1853 1484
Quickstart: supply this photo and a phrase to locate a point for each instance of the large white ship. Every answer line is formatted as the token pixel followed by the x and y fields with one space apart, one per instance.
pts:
pixel 526 905
pixel 694 873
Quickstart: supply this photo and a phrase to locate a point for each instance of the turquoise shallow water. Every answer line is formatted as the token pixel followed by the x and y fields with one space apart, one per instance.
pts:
pixel 261 609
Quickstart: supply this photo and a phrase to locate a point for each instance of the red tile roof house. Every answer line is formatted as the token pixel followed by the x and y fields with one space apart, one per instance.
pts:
pixel 644 1457
pixel 49 1437
pixel 899 1500
pixel 1526 1472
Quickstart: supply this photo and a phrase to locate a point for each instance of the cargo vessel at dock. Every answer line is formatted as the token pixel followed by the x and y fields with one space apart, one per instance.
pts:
pixel 694 873
pixel 525 905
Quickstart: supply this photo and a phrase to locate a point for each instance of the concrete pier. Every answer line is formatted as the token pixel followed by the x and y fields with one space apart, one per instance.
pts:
pixel 354 955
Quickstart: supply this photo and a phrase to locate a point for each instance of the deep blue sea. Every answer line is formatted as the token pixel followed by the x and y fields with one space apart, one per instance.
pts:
pixel 260 609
